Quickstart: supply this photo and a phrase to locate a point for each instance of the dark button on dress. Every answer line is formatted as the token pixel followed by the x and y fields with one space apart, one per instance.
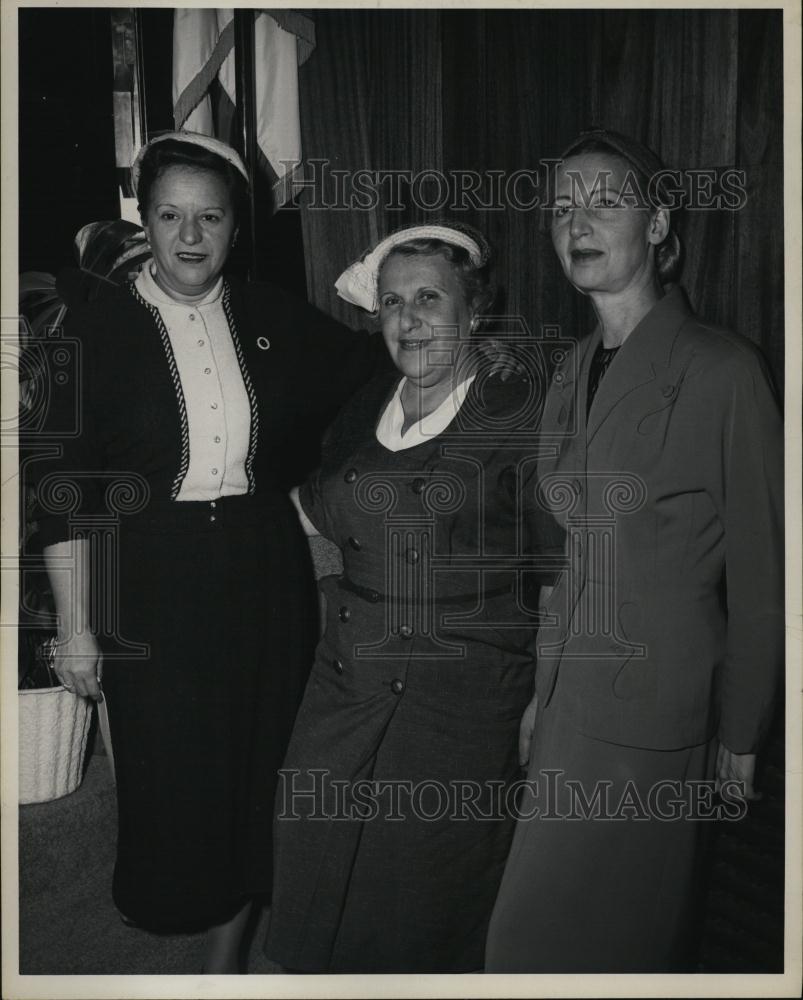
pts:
pixel 428 707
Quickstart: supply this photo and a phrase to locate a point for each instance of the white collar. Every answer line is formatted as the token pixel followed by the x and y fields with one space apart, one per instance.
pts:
pixel 150 291
pixel 389 429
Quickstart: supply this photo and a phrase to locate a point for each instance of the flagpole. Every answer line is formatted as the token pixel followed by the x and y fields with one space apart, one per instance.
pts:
pixel 246 117
pixel 128 106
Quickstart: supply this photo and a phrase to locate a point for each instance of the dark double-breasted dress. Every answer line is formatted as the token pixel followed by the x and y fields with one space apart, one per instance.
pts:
pixel 391 828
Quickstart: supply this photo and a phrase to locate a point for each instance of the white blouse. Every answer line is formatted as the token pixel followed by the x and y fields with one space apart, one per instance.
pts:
pixel 389 429
pixel 218 411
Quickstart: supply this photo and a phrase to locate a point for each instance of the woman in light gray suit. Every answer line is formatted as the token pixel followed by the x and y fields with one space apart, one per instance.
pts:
pixel 661 657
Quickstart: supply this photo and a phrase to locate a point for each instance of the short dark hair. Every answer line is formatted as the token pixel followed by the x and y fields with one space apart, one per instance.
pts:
pixel 669 254
pixel 174 153
pixel 475 280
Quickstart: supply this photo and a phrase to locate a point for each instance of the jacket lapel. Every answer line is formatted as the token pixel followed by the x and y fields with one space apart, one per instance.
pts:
pixel 563 425
pixel 644 358
pixel 644 371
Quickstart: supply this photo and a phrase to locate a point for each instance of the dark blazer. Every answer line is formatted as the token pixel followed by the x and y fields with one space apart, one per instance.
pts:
pixel 121 411
pixel 668 624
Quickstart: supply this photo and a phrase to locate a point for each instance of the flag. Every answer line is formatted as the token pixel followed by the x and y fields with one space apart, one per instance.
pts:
pixel 203 50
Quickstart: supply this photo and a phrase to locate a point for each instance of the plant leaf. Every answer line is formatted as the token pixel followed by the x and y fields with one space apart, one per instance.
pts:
pixel 100 245
pixel 36 281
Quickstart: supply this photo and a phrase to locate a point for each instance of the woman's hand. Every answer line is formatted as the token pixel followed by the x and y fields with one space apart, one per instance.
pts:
pixel 500 358
pixel 77 659
pixel 526 730
pixel 78 664
pixel 737 767
pixel 527 724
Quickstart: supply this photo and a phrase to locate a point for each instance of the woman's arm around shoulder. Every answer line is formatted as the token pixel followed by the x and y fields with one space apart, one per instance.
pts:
pixel 336 359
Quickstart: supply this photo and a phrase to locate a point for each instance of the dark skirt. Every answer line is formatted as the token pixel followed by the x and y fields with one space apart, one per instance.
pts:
pixel 222 594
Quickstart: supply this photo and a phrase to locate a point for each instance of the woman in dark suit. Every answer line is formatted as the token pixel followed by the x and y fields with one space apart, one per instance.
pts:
pixel 198 394
pixel 661 664
pixel 392 829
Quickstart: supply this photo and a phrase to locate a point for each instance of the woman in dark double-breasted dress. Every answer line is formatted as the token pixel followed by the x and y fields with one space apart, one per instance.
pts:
pixel 392 821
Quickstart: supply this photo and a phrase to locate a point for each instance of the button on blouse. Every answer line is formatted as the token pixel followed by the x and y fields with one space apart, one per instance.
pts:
pixel 215 398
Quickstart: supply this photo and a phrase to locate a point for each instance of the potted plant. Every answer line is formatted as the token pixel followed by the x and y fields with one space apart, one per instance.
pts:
pixel 54 723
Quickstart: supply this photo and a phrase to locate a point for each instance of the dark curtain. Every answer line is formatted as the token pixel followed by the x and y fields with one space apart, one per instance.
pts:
pixel 499 91
pixel 66 131
pixel 367 104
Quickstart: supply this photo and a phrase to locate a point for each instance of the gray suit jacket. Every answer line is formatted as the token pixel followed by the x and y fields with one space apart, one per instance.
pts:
pixel 667 626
